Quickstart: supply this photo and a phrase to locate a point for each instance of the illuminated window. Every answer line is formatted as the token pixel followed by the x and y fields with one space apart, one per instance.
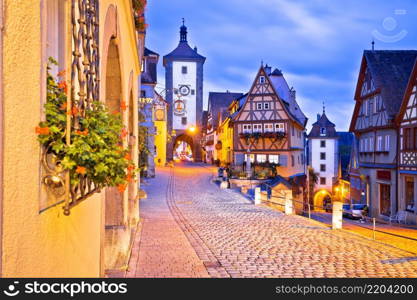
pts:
pixel 257 127
pixel 274 159
pixel 247 128
pixel 268 128
pixel 279 127
pixel 261 158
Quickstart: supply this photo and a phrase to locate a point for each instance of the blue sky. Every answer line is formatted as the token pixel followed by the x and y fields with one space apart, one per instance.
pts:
pixel 317 44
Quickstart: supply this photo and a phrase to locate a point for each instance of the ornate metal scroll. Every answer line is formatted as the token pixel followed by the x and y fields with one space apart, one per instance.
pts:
pixel 85 81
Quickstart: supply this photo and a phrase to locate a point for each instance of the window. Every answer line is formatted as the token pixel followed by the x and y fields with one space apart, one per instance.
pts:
pixel 259 106
pixel 322 168
pixel 409 193
pixel 322 180
pixel 251 157
pixel 375 105
pixel 274 159
pixel 371 144
pixel 266 105
pixel 322 144
pixel 365 107
pixel 323 155
pixel 142 69
pixel 365 145
pixel 279 127
pixel 175 91
pixel 302 158
pixel 387 143
pixel 184 70
pixel 143 94
pixel 247 128
pixel 361 148
pixel 55 33
pixel 292 130
pixel 192 92
pixel 322 131
pixel 385 199
pixel 292 160
pixel 262 79
pixel 379 143
pixel 261 158
pixel 268 128
pixel 184 120
pixel 257 127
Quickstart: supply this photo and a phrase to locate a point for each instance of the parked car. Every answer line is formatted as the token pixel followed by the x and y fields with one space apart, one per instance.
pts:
pixel 359 211
pixel 347 211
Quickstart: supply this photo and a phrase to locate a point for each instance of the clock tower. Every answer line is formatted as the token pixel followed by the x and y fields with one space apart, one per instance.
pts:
pixel 184 94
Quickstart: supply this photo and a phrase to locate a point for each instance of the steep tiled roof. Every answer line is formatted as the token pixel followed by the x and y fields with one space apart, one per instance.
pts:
pixel 219 101
pixel 345 150
pixel 150 73
pixel 391 70
pixel 184 51
pixel 323 122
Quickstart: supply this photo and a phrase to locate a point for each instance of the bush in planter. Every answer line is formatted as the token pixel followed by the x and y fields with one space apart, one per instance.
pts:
pixel 95 150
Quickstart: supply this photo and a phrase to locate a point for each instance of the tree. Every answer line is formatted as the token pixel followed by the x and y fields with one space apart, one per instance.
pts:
pixel 313 179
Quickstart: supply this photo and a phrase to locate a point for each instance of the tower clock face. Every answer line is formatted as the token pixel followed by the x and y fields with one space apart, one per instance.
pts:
pixel 184 90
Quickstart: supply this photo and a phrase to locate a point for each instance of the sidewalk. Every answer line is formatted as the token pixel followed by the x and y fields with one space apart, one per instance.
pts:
pixel 382 234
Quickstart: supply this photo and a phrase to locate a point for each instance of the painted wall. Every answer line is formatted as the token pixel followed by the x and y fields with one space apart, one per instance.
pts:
pixel 189 79
pixel 330 161
pixel 46 244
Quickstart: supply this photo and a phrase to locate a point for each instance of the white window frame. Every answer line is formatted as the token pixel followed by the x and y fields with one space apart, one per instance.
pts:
pixel 258 105
pixel 371 144
pixel 273 158
pixel 257 128
pixel 268 127
pixel 266 106
pixel 387 142
pixel 247 128
pixel 260 158
pixel 251 157
pixel 379 143
pixel 261 79
pixel 279 127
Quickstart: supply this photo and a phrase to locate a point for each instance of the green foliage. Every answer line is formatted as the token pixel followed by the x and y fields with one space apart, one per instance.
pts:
pixel 95 148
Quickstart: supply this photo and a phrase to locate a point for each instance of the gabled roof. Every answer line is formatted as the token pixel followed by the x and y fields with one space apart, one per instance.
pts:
pixel 288 100
pixel 411 82
pixel 390 70
pixel 219 101
pixel 323 122
pixel 147 52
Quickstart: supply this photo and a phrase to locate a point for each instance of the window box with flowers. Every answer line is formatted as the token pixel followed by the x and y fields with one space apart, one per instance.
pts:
pixel 88 159
pixel 139 14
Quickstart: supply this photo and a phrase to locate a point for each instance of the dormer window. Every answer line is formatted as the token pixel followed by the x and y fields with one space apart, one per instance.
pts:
pixel 262 79
pixel 322 131
pixel 266 105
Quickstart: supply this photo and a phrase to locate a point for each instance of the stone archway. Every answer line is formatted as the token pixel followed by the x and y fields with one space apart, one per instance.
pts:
pixel 114 199
pixel 186 139
pixel 319 199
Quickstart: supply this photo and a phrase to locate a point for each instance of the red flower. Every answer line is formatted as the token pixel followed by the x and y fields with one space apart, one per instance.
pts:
pixel 80 170
pixel 61 73
pixel 121 187
pixel 63 86
pixel 123 105
pixel 63 106
pixel 74 111
pixel 131 167
pixel 42 130
pixel 84 132
pixel 127 156
pixel 123 134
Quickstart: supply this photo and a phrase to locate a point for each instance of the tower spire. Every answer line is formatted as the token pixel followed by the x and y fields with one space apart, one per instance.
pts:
pixel 183 32
pixel 324 108
pixel 373 44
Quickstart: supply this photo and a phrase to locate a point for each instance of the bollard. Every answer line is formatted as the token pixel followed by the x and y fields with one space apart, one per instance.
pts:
pixel 337 215
pixel 373 221
pixel 309 211
pixel 224 185
pixel 257 195
pixel 289 209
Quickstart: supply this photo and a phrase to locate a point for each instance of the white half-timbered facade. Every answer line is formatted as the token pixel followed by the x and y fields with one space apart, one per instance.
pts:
pixel 407 121
pixel 270 125
pixel 380 88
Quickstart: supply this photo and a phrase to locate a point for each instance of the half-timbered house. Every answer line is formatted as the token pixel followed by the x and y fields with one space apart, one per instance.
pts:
pixel 407 161
pixel 269 125
pixel 381 84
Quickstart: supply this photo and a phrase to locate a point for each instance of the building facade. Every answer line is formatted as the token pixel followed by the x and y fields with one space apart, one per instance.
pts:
pixel 407 157
pixel 43 236
pixel 160 110
pixel 380 88
pixel 184 94
pixel 147 99
pixel 269 125
pixel 217 112
pixel 323 157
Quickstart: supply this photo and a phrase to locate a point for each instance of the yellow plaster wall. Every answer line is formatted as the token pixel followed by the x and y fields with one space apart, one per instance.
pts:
pixel 46 244
pixel 226 137
pixel 161 142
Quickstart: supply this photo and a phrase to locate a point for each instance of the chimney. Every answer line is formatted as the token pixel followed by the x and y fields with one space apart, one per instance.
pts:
pixel 292 92
pixel 267 69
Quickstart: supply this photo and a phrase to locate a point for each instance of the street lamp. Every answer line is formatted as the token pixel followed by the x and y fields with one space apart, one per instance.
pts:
pixel 192 129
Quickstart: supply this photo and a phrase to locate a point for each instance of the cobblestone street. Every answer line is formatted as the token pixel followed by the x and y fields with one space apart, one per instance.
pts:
pixel 191 228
